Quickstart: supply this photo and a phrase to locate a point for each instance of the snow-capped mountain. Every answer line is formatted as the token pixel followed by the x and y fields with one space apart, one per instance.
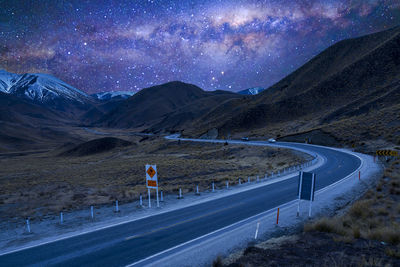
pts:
pixel 252 91
pixel 113 95
pixel 40 88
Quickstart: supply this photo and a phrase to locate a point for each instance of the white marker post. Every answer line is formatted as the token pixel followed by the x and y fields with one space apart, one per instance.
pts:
pixel 180 193
pixel 197 190
pixel 91 212
pixel 258 226
pixel 61 218
pixel 116 206
pixel 162 197
pixel 28 226
pixel 298 204
pixel 148 193
pixel 240 182
pixel 227 185
pixel 141 200
pixel 158 202
pixel 311 195
pixel 248 179
pixel 213 186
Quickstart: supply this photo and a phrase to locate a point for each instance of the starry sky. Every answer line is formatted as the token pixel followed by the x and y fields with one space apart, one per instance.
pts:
pixel 129 45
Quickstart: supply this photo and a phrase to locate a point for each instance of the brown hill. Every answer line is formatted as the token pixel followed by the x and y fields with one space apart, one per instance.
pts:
pixel 26 125
pixel 96 146
pixel 154 105
pixel 351 78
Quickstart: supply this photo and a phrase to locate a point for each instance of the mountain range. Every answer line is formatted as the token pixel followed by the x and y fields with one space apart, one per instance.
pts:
pixel 355 82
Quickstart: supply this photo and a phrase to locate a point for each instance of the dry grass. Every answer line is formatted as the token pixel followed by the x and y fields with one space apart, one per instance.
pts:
pixel 375 217
pixel 38 184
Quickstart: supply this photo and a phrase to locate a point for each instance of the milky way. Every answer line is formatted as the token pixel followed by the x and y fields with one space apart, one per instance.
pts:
pixel 128 45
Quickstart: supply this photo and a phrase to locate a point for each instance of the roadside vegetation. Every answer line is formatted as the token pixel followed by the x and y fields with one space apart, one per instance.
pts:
pixel 367 233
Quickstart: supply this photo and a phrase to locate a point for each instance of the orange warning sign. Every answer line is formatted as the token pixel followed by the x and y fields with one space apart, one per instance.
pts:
pixel 151 171
pixel 152 183
pixel 151 176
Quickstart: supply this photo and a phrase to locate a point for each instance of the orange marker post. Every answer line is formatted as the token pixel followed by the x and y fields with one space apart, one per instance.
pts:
pixel 277 217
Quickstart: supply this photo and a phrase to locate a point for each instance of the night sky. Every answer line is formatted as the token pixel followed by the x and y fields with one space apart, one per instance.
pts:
pixel 128 45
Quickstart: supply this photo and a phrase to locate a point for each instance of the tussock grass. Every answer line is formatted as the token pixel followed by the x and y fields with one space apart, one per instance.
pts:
pixel 328 225
pixel 387 234
pixel 376 216
pixel 395 253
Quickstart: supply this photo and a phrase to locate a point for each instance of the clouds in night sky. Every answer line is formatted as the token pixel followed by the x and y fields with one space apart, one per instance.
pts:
pixel 128 45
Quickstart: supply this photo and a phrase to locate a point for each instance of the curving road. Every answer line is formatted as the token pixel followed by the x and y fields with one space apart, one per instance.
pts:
pixel 134 241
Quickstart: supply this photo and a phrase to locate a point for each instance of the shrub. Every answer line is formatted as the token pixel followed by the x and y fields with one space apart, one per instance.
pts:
pixel 387 234
pixel 360 209
pixel 356 232
pixel 327 225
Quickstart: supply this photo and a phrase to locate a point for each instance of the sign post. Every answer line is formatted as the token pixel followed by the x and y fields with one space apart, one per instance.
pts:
pixel 306 189
pixel 151 181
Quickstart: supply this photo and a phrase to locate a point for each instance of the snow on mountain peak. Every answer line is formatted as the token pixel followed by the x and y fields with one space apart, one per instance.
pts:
pixel 39 87
pixel 7 79
pixel 252 91
pixel 113 94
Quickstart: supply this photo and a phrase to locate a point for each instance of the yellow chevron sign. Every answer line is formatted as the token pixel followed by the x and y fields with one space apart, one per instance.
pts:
pixel 392 153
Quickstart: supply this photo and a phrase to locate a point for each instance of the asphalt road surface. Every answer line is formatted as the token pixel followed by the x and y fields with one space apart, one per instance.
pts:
pixel 130 242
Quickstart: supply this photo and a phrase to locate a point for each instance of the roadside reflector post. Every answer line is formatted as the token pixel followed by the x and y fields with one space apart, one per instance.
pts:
pixel 28 226
pixel 197 190
pixel 213 186
pixel 240 182
pixel 141 200
pixel 148 193
pixel 311 195
pixel 256 234
pixel 277 217
pixel 158 202
pixel 91 212
pixel 162 197
pixel 116 206
pixel 298 203
pixel 180 193
pixel 61 218
pixel 227 184
pixel 248 179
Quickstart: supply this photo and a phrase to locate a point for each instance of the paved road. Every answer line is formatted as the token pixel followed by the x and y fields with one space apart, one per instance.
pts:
pixel 131 242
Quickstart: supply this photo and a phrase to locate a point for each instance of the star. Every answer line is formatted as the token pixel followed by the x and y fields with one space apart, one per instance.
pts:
pixel 140 43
